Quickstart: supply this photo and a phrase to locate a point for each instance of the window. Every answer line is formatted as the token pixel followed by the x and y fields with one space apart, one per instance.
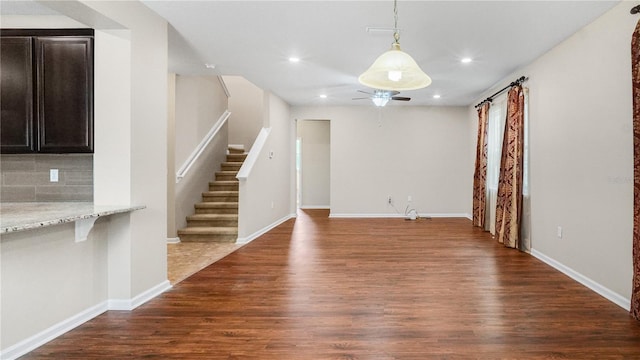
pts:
pixel 495 133
pixel 497 118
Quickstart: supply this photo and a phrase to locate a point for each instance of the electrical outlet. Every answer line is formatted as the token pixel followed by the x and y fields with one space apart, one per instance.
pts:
pixel 273 204
pixel 559 232
pixel 409 198
pixel 389 200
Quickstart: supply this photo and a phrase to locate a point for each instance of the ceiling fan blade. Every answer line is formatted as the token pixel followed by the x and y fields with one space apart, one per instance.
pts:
pixel 364 98
pixel 401 98
pixel 364 92
pixel 393 92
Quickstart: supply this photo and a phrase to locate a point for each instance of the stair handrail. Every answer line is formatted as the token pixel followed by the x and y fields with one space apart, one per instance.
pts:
pixel 184 169
pixel 224 86
pixel 255 151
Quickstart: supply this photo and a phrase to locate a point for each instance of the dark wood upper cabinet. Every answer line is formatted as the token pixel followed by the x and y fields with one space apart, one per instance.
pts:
pixel 16 95
pixel 65 94
pixel 47 78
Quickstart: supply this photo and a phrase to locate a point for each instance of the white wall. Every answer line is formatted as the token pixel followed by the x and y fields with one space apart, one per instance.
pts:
pixel 171 158
pixel 397 151
pixel 200 101
pixel 315 163
pixel 112 118
pixel 265 196
pixel 46 277
pixel 581 153
pixel 189 190
pixel 246 103
pixel 149 64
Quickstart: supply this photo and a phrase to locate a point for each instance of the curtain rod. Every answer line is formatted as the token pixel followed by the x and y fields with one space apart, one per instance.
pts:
pixel 518 81
pixel 635 10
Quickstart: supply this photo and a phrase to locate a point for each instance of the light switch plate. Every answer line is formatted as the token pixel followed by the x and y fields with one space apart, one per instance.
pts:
pixel 53 175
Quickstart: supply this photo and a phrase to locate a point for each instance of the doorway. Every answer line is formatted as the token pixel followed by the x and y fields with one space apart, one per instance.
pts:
pixel 313 163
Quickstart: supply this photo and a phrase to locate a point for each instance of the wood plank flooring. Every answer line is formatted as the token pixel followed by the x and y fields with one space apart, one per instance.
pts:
pixel 319 288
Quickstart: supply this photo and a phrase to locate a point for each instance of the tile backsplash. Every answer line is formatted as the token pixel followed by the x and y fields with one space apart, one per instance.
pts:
pixel 25 177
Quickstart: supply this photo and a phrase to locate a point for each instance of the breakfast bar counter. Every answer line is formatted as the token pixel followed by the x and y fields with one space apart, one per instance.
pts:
pixel 22 216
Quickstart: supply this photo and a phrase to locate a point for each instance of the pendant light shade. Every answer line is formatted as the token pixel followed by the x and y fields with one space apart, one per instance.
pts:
pixel 395 70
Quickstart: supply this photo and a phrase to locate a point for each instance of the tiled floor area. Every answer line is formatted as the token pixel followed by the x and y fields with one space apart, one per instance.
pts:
pixel 186 258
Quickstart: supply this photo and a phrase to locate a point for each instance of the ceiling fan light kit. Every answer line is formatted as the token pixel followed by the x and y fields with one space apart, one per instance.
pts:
pixel 380 102
pixel 395 69
pixel 380 98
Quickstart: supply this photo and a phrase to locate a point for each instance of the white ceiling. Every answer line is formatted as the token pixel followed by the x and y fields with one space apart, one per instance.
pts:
pixel 255 38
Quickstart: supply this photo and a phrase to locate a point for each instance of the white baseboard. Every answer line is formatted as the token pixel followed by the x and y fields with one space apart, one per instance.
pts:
pixel 174 240
pixel 400 216
pixel 315 207
pixel 52 332
pixel 64 326
pixel 605 292
pixel 255 235
pixel 445 215
pixel 130 304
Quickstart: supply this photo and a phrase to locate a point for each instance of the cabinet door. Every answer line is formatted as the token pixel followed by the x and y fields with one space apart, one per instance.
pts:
pixel 65 94
pixel 16 95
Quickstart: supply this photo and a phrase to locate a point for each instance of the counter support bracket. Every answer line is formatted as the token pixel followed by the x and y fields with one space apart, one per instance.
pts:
pixel 83 227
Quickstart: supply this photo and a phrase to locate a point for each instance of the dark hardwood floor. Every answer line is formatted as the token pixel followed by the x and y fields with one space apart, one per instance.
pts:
pixel 319 288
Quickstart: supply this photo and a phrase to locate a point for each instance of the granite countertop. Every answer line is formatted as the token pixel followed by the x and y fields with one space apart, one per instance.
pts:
pixel 31 215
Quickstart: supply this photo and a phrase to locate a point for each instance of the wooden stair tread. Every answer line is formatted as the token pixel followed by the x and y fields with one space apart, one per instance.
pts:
pixel 230 204
pixel 212 217
pixel 226 176
pixel 237 149
pixel 224 182
pixel 208 231
pixel 221 192
pixel 232 164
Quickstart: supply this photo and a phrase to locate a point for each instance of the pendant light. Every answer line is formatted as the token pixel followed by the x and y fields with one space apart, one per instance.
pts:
pixel 395 69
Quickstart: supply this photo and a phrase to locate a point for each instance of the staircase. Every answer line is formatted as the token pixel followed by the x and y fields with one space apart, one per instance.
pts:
pixel 216 217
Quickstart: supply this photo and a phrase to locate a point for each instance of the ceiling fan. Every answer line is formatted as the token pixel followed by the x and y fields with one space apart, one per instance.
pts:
pixel 382 97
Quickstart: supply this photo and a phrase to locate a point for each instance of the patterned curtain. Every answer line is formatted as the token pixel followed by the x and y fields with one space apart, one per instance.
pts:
pixel 635 69
pixel 509 203
pixel 480 174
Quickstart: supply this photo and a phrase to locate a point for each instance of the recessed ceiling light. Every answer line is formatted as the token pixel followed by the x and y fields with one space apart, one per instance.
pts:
pixel 323 96
pixel 294 59
pixel 436 96
pixel 210 66
pixel 466 60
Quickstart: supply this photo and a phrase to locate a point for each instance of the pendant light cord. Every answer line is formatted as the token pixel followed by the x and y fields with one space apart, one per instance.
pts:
pixel 396 35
